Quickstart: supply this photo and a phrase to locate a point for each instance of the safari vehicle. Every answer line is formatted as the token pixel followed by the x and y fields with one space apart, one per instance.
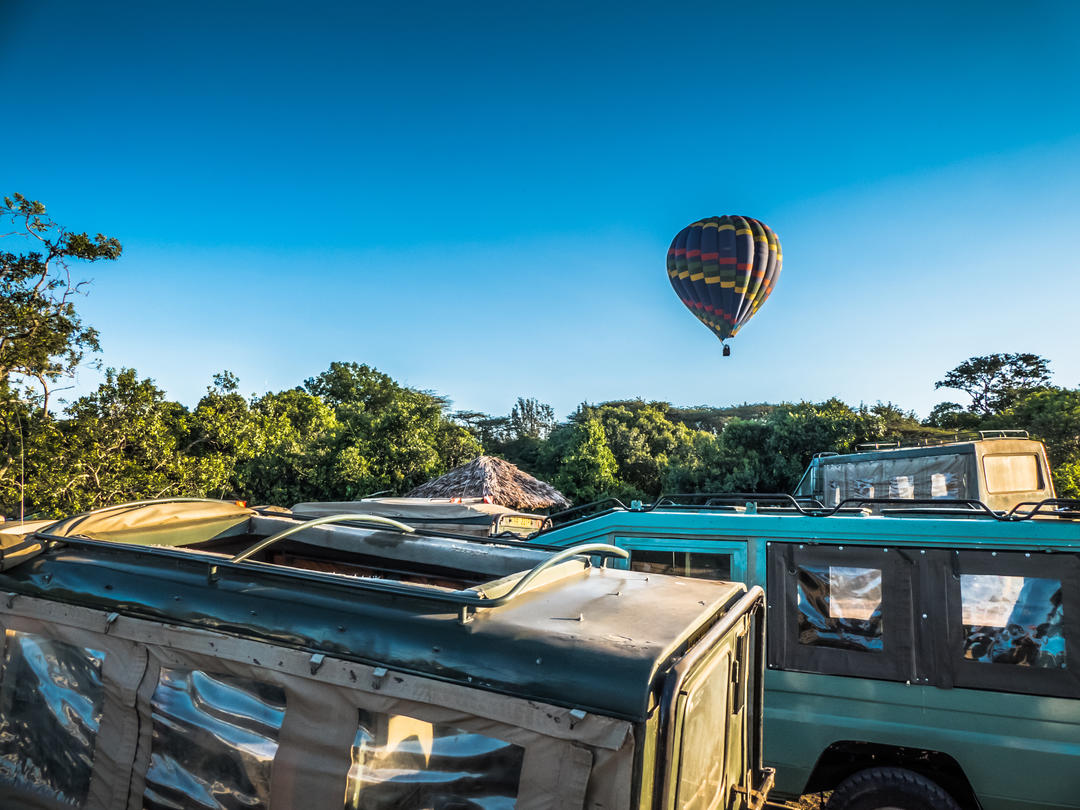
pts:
pixel 206 655
pixel 1000 468
pixel 917 660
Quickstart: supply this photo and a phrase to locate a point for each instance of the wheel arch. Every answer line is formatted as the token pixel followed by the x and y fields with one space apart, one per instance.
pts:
pixel 847 757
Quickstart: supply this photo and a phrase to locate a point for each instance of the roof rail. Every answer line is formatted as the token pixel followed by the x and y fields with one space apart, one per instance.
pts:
pixel 362 517
pixel 877 445
pixel 1004 434
pixel 1068 508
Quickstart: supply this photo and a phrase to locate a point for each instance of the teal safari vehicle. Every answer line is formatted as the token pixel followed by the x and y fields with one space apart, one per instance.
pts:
pixel 927 657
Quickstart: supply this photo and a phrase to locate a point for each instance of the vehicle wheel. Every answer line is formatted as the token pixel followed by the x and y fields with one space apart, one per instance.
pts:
pixel 890 789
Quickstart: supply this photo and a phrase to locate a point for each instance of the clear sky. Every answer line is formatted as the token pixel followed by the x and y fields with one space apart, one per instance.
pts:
pixel 477 198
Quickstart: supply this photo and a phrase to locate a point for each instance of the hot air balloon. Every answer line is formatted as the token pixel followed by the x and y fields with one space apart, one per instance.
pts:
pixel 723 269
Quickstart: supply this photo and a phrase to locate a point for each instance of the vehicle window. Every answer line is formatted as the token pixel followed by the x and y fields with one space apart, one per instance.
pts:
pixel 704 737
pixel 945 485
pixel 902 486
pixel 50 711
pixel 1011 473
pixel 213 742
pixel 1013 620
pixel 403 763
pixel 839 606
pixel 681 563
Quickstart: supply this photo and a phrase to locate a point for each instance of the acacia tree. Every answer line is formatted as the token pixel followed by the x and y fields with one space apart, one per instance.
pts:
pixel 996 381
pixel 42 336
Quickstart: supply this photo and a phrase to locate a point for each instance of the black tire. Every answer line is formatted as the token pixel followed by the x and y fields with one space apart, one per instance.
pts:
pixel 892 788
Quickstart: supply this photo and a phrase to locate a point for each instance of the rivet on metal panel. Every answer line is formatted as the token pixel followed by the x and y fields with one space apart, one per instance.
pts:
pixel 539 661
pixel 112 617
pixel 316 662
pixel 993 553
pixel 924 616
pixel 922 550
pixel 1027 553
pixel 377 676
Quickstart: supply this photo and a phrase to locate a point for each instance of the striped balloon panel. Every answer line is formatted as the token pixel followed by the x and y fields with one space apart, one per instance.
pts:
pixel 723 268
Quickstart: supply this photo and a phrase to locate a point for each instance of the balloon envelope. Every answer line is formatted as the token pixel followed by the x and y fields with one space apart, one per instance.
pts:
pixel 723 269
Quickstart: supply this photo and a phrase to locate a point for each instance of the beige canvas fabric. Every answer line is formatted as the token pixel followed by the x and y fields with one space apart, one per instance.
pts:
pixel 165 523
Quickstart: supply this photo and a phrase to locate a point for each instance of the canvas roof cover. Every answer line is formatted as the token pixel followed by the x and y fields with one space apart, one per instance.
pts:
pixel 163 523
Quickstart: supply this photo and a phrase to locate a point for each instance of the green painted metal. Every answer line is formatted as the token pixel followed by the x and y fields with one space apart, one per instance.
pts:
pixel 1018 752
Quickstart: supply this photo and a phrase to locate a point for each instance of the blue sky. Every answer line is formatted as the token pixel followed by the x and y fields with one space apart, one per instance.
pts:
pixel 477 198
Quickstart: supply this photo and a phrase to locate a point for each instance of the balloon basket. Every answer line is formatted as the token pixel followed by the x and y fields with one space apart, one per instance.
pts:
pixel 727 351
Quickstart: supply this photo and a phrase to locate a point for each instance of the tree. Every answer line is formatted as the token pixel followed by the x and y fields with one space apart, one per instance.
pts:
pixel 587 470
pixel 42 336
pixel 995 381
pixel 388 436
pixel 122 442
pixel 531 419
pixel 1051 415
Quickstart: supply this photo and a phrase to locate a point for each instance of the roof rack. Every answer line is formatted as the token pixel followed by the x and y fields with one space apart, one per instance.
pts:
pixel 488 595
pixel 755 502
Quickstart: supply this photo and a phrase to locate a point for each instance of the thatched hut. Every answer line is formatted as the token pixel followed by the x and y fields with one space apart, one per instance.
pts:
pixel 496 479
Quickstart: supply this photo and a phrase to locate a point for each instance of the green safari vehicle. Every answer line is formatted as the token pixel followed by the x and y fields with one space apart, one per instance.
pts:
pixel 198 654
pixel 923 658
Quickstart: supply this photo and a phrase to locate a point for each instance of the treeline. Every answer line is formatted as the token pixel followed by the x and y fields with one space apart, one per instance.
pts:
pixel 352 431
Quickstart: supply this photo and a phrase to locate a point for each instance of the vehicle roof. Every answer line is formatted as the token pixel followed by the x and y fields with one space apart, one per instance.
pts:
pixel 1008 444
pixel 591 638
pixel 463 510
pixel 912 529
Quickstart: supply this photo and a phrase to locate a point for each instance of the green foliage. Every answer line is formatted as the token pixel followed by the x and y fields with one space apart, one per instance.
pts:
pixel 587 467
pixel 531 419
pixel 42 336
pixel 120 443
pixel 995 381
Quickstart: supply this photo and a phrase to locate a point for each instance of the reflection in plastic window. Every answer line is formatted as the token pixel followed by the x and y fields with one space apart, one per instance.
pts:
pixel 944 485
pixel 1012 620
pixel 902 486
pixel 214 741
pixel 840 607
pixel 682 563
pixel 863 489
pixel 402 763
pixel 50 712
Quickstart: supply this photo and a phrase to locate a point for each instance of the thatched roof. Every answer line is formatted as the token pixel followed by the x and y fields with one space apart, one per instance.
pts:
pixel 500 480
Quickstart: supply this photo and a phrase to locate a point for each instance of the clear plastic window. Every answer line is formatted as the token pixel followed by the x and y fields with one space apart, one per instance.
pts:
pixel 840 607
pixel 403 763
pixel 682 563
pixel 944 485
pixel 214 741
pixel 902 486
pixel 1012 473
pixel 50 712
pixel 1013 620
